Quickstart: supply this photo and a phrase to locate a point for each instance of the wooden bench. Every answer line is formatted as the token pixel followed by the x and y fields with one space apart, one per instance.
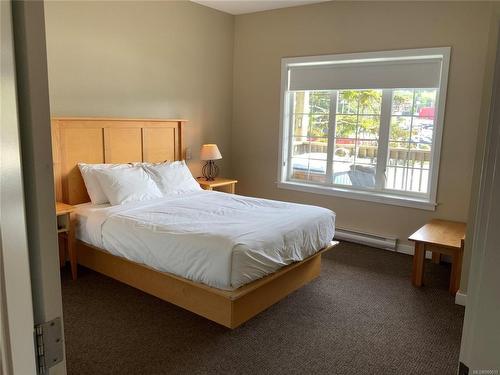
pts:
pixel 439 237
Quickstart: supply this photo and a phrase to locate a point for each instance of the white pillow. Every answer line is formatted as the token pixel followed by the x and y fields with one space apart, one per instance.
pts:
pixel 173 178
pixel 96 194
pixel 127 185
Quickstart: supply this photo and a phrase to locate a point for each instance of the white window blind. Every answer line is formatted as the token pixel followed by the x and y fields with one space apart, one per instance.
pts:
pixel 390 74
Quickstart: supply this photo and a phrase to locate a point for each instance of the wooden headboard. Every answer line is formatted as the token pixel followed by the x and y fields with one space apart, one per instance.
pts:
pixel 108 140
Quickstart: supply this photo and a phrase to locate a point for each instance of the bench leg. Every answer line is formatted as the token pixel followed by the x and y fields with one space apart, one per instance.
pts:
pixel 72 248
pixel 456 270
pixel 436 258
pixel 418 264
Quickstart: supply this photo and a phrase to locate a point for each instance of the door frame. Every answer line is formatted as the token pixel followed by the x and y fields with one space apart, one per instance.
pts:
pixel 30 252
pixel 481 331
pixel 16 315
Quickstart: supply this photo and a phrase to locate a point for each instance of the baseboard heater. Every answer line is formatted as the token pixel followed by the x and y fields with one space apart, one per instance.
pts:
pixel 368 239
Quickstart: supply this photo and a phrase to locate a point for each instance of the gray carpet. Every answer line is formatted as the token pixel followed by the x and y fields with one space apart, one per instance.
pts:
pixel 361 316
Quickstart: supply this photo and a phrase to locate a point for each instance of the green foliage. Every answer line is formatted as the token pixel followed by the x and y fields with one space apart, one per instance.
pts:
pixel 400 129
pixel 360 101
pixel 361 104
pixel 358 113
pixel 319 102
pixel 402 101
pixel 319 105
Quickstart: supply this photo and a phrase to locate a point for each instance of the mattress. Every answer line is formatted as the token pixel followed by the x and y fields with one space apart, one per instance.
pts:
pixel 221 240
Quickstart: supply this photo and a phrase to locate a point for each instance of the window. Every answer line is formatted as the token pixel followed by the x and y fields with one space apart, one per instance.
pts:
pixel 365 126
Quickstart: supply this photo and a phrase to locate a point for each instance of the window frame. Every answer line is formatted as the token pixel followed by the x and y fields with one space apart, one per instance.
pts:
pixel 400 198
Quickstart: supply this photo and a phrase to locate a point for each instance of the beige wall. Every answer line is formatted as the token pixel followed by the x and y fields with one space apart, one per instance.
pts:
pixel 144 59
pixel 176 59
pixel 262 39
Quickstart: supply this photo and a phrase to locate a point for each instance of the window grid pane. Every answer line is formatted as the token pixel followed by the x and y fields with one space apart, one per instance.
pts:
pixel 357 126
pixel 410 140
pixel 357 117
pixel 310 116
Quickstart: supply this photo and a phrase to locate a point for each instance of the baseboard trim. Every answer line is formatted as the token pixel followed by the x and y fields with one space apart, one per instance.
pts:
pixel 460 298
pixel 381 242
pixel 410 250
pixel 364 238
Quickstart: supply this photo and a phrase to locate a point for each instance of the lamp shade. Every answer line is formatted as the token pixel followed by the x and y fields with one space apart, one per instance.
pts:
pixel 210 152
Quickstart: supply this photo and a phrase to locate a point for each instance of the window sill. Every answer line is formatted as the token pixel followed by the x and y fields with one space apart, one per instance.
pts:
pixel 361 195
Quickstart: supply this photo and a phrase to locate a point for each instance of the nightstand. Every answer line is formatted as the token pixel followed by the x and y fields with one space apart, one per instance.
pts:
pixel 226 185
pixel 65 229
pixel 440 237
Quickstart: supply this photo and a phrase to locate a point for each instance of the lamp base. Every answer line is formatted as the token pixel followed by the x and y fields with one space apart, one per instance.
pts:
pixel 210 170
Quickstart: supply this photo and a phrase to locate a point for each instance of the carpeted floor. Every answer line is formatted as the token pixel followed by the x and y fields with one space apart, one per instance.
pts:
pixel 361 316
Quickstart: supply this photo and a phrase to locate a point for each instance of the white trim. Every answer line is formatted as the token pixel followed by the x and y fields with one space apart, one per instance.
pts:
pixel 331 136
pixel 480 331
pixel 378 241
pixel 383 139
pixel 439 124
pixel 289 142
pixel 17 355
pixel 376 197
pixel 369 239
pixel 375 56
pixel 385 196
pixel 460 298
pixel 404 248
pixel 283 143
pixel 383 242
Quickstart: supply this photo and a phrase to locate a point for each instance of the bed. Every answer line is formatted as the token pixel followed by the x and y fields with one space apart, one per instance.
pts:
pixel 228 257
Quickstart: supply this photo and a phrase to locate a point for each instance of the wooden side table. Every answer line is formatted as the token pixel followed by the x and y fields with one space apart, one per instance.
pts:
pixel 65 226
pixel 440 237
pixel 223 184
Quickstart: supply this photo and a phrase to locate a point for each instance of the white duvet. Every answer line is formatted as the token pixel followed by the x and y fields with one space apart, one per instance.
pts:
pixel 222 240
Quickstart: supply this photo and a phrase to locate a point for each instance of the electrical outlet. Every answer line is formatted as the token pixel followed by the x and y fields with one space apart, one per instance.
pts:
pixel 188 154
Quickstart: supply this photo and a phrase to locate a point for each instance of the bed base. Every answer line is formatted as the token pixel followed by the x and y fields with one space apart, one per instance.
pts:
pixel 228 308
pixel 114 140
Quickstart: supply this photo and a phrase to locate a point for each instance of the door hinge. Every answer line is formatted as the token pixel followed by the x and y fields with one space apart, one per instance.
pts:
pixel 49 344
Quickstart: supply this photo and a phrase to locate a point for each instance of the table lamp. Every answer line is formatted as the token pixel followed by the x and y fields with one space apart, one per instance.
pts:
pixel 210 152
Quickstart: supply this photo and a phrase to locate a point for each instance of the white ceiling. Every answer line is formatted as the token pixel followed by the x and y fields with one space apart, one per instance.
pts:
pixel 251 6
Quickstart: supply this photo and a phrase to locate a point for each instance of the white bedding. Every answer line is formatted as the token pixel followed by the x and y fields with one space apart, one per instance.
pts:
pixel 222 240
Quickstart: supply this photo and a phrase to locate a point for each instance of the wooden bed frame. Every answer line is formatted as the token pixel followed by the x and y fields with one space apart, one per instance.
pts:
pixel 106 140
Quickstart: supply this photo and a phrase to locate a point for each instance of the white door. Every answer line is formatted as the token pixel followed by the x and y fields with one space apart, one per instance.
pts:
pixel 480 349
pixel 31 288
pixel 18 350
